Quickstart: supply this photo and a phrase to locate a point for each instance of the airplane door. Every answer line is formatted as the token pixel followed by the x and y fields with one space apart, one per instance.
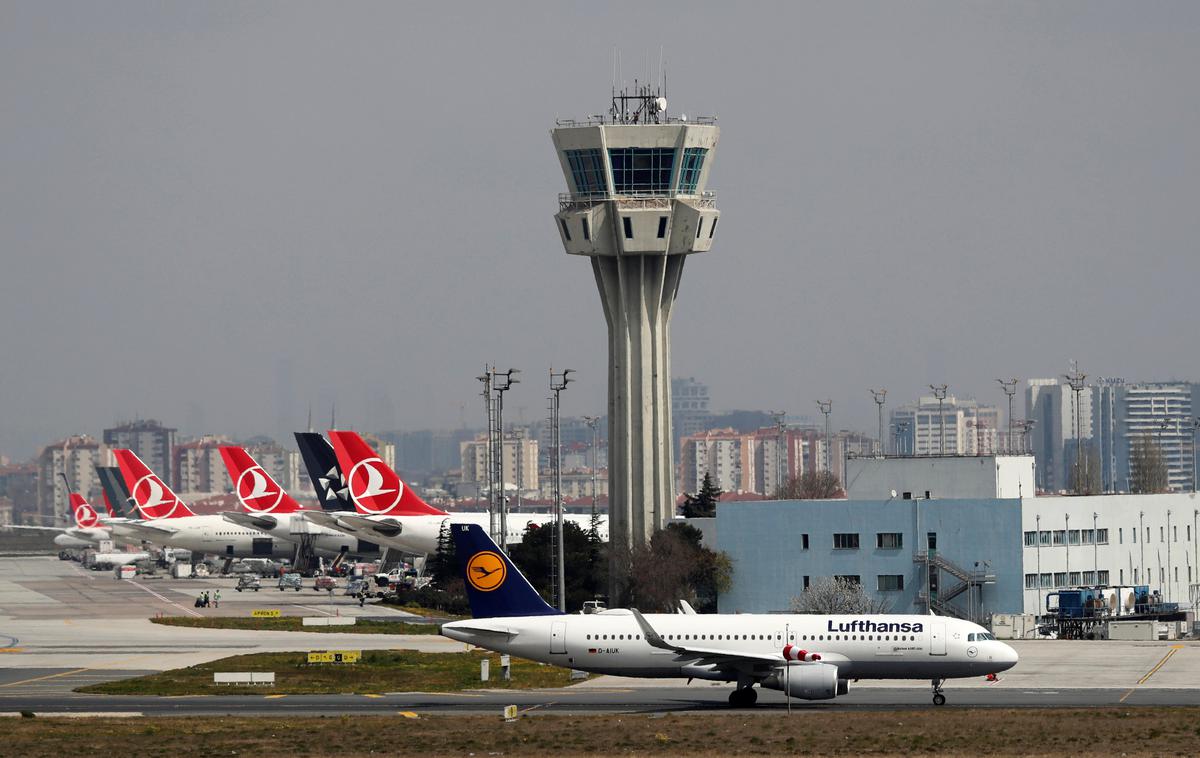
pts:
pixel 937 639
pixel 558 637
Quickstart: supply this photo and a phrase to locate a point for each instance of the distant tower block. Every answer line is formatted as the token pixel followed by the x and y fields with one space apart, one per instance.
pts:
pixel 637 207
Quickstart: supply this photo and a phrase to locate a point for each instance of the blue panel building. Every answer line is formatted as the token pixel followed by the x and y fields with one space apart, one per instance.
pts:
pixel 972 548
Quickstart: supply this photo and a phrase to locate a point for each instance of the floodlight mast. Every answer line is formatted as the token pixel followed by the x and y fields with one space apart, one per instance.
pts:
pixel 1010 388
pixel 826 407
pixel 502 381
pixel 558 383
pixel 880 396
pixel 1076 380
pixel 939 392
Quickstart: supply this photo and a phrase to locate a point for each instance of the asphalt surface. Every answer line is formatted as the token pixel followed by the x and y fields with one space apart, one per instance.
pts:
pixel 62 627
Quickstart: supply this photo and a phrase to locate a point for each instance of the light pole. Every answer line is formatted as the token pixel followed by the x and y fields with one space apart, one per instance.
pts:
pixel 1076 380
pixel 1195 429
pixel 502 381
pixel 1037 520
pixel 489 406
pixel 558 383
pixel 826 407
pixel 1170 578
pixel 880 395
pixel 939 392
pixel 1142 543
pixel 780 482
pixel 1010 388
pixel 901 434
pixel 592 421
pixel 1095 552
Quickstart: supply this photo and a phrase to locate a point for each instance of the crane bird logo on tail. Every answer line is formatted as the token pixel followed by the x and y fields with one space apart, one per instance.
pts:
pixel 366 487
pixel 150 496
pixel 486 571
pixel 85 516
pixel 254 490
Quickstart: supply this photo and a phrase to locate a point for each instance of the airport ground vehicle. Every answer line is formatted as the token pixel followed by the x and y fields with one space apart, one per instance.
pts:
pixel 358 587
pixel 325 583
pixel 291 582
pixel 248 582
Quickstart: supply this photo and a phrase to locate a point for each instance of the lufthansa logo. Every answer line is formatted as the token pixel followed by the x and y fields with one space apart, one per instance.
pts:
pixel 486 571
pixel 972 652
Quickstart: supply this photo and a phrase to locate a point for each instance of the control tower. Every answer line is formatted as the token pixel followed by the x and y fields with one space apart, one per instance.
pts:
pixel 637 207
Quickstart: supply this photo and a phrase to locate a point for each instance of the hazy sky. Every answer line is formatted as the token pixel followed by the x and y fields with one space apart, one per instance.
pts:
pixel 217 214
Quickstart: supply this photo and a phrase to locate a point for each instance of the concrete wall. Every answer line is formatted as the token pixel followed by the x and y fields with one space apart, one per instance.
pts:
pixel 764 539
pixel 996 476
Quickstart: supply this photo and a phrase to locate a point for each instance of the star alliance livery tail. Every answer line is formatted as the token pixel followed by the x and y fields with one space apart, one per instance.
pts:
pixel 256 489
pixel 327 479
pixel 153 497
pixel 495 587
pixel 116 495
pixel 374 487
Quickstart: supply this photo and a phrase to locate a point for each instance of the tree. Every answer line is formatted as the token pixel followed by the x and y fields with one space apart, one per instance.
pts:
pixel 1147 467
pixel 703 504
pixel 837 594
pixel 1087 481
pixel 811 485
pixel 675 566
pixel 584 562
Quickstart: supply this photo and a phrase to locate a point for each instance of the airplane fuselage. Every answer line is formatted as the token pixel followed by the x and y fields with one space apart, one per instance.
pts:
pixel 861 647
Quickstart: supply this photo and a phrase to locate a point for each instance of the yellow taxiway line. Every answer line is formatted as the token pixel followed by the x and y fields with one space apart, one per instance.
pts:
pixel 1174 649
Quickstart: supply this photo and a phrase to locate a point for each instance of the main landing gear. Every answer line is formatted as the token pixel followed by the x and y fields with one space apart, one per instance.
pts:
pixel 938 697
pixel 743 697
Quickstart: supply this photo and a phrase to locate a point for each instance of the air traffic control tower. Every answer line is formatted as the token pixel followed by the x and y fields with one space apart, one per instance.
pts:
pixel 637 207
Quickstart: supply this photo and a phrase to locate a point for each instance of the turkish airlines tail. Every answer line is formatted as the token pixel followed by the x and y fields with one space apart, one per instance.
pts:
pixel 154 499
pixel 85 515
pixel 374 487
pixel 256 489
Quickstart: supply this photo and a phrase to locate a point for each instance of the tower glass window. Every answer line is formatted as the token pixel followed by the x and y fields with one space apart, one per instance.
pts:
pixel 641 169
pixel 689 170
pixel 587 169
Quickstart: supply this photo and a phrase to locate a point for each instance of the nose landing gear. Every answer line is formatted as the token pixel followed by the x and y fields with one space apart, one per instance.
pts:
pixel 938 697
pixel 743 697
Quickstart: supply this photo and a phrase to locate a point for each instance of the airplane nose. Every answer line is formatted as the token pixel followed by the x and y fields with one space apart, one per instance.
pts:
pixel 1007 657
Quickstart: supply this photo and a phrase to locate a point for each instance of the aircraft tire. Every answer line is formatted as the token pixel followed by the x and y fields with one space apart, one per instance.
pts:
pixel 939 699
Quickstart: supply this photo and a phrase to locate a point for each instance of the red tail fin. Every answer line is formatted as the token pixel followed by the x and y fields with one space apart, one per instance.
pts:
pixel 154 498
pixel 256 489
pixel 85 515
pixel 112 513
pixel 374 486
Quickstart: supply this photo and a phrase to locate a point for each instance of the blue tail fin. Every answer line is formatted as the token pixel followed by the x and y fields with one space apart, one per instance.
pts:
pixel 495 587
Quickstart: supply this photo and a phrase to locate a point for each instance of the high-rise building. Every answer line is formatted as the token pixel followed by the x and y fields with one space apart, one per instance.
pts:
pixel 150 440
pixel 637 206
pixel 968 427
pixel 77 458
pixel 1160 412
pixel 520 461
pixel 1061 431
pixel 690 412
pixel 198 466
pixel 758 462
pixel 281 464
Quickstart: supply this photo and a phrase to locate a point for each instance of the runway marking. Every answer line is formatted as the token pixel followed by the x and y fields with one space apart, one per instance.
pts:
pixel 372 695
pixel 535 707
pixel 12 649
pixel 408 714
pixel 273 697
pixel 43 678
pixel 167 600
pixel 1174 649
pixel 1127 694
pixel 310 608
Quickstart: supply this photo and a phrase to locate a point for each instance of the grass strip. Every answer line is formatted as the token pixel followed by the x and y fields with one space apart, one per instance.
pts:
pixel 926 731
pixel 378 672
pixel 295 624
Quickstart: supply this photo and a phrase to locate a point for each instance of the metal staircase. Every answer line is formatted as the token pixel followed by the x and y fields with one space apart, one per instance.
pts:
pixel 968 579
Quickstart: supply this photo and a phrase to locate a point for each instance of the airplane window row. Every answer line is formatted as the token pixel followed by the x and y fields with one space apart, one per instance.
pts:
pixel 791 638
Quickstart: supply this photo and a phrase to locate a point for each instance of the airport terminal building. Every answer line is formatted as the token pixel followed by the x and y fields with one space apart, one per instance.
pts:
pixel 956 538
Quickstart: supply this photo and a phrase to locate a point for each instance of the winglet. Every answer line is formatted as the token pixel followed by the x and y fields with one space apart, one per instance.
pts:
pixel 653 637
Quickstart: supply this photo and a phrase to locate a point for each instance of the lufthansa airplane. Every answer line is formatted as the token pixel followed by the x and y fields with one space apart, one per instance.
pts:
pixel 811 657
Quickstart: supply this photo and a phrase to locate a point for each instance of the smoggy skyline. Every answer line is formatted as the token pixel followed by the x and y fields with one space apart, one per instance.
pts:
pixel 221 214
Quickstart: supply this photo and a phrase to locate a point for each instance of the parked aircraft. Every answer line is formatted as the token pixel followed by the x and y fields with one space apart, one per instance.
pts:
pixel 809 656
pixel 393 514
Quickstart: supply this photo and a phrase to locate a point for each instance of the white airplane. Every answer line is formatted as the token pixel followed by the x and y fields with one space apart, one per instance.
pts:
pixel 270 509
pixel 392 514
pixel 169 522
pixel 811 656
pixel 87 532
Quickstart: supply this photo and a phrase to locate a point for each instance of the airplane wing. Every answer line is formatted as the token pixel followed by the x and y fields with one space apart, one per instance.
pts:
pixel 36 528
pixel 707 656
pixel 258 521
pixel 383 527
pixel 482 626
pixel 143 531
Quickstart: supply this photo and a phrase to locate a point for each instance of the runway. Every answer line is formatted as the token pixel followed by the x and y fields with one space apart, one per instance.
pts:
pixel 62 627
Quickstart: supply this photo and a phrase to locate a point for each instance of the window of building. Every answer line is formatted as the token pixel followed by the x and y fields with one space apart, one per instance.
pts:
pixel 1060 579
pixel 1030 539
pixel 628 224
pixel 804 542
pixel 1047 580
pixel 587 170
pixel 662 227
pixel 1175 534
pixel 1120 536
pixel 1162 534
pixel 845 541
pixel 1031 581
pixel 1060 537
pixel 1089 577
pixel 713 229
pixel 699 227
pixel 689 170
pixel 806 581
pixel 641 169
pixel 1045 537
pixel 566 232
pixel 1074 579
pixel 1087 536
pixel 587 231
pixel 852 578
pixel 1102 536
pixel 890 582
pixel 1073 537
pixel 889 540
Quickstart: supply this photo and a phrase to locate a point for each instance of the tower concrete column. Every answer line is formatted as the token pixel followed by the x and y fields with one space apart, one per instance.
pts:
pixel 637 206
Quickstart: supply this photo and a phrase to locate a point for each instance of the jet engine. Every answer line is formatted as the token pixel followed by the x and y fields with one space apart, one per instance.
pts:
pixel 807 681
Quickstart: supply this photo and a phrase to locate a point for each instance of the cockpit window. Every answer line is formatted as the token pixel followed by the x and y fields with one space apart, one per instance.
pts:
pixel 971 637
